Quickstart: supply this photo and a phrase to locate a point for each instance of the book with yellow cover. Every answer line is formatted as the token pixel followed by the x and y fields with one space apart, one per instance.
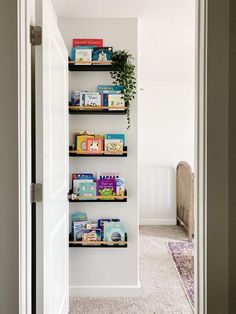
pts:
pixel 81 142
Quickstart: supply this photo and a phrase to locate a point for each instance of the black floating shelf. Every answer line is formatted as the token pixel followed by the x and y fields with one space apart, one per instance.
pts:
pixel 115 200
pixel 124 154
pixel 101 245
pixel 89 67
pixel 98 112
pixel 92 67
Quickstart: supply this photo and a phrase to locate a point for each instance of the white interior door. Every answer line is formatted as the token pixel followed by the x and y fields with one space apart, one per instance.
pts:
pixel 51 66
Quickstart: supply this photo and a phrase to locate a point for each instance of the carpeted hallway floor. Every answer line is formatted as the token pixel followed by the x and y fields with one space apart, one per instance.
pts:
pixel 162 292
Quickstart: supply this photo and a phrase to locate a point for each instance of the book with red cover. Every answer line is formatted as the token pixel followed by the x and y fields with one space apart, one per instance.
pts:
pixel 87 42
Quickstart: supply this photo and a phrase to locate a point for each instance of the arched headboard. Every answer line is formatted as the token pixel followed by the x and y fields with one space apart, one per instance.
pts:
pixel 185 197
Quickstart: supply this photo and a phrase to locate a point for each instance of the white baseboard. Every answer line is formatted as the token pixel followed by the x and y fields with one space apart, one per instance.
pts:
pixel 105 291
pixel 144 221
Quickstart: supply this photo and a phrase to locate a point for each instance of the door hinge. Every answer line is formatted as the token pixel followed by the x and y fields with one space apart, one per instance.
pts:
pixel 36 190
pixel 35 35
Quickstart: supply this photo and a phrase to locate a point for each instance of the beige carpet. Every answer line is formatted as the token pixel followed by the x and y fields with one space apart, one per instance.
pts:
pixel 162 292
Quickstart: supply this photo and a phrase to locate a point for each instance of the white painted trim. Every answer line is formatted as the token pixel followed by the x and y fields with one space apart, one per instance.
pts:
pixel 105 291
pixel 200 170
pixel 24 156
pixel 154 222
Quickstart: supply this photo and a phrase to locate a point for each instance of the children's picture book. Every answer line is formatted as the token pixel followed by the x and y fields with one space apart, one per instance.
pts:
pixel 81 141
pixel 87 42
pixel 106 188
pixel 114 143
pixel 101 222
pixel 78 178
pixel 120 187
pixel 114 231
pixel 77 217
pixel 79 229
pixel 82 98
pixel 102 54
pixel 116 102
pixel 75 98
pixel 83 55
pixel 92 99
pixel 92 225
pixel 92 235
pixel 87 190
pixel 94 145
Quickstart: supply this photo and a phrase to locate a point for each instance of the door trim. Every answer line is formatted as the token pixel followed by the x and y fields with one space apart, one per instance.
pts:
pixel 24 158
pixel 24 129
pixel 200 201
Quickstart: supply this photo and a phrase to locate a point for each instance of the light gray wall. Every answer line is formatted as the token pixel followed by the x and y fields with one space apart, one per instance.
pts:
pixel 217 155
pixel 232 161
pixel 8 158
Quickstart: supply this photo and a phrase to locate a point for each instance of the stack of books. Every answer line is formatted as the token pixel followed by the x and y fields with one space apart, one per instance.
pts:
pixel 104 229
pixel 91 143
pixel 107 96
pixel 86 186
pixel 87 51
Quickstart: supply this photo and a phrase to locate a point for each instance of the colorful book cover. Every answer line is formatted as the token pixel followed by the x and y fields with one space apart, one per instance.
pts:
pixel 114 231
pixel 77 217
pixel 87 42
pixel 81 142
pixel 101 222
pixel 106 188
pixel 114 143
pixel 116 102
pixel 92 235
pixel 75 98
pixel 102 54
pixel 92 99
pixel 87 190
pixel 83 56
pixel 120 187
pixel 94 145
pixel 78 178
pixel 78 229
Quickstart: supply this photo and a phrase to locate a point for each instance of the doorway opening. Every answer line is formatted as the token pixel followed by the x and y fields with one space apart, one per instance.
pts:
pixel 96 282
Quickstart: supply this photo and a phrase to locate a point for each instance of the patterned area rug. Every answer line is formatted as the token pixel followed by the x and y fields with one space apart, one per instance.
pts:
pixel 183 258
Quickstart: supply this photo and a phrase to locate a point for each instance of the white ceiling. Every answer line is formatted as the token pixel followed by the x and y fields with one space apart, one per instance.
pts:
pixel 114 8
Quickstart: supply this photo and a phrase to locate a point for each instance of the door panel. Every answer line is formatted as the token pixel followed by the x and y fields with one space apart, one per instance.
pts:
pixel 52 165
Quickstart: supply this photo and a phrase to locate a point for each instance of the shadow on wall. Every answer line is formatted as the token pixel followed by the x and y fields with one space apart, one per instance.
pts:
pixel 157 195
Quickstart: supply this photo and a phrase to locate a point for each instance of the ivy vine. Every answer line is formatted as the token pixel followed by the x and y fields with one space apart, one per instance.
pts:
pixel 124 74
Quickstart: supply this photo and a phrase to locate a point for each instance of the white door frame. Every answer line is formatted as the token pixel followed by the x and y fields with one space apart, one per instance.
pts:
pixel 24 155
pixel 200 173
pixel 24 130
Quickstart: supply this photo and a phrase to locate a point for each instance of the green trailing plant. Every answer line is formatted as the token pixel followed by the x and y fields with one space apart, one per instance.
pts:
pixel 124 74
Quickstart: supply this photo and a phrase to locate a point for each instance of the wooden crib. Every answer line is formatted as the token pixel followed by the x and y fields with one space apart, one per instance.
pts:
pixel 185 197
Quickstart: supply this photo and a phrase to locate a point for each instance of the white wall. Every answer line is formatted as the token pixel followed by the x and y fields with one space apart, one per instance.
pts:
pixel 96 268
pixel 166 106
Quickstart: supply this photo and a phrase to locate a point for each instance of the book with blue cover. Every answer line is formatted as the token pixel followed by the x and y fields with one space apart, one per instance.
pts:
pixel 114 143
pixel 78 229
pixel 77 217
pixel 110 88
pixel 73 51
pixel 114 231
pixel 87 190
pixel 78 178
pixel 102 54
